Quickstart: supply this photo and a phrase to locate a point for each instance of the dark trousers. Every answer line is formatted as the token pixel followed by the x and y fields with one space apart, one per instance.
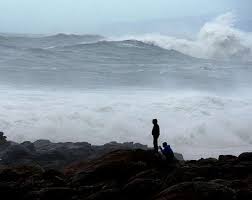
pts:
pixel 169 157
pixel 155 143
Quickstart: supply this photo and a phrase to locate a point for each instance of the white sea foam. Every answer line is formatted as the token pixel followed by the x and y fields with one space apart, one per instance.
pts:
pixel 195 124
pixel 217 39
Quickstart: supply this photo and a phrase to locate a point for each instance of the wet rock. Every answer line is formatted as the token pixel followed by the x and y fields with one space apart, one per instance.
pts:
pixel 59 155
pixel 28 145
pixel 197 190
pixel 7 175
pixel 3 139
pixel 16 154
pixel 245 157
pixel 141 188
pixel 121 165
pixel 227 158
pixel 62 193
pixel 43 145
pixel 108 194
pixel 179 156
pixel 147 174
pixel 85 191
pixel 120 174
pixel 208 161
pixel 244 194
pixel 14 173
pixel 199 179
pixel 54 178
pixel 9 190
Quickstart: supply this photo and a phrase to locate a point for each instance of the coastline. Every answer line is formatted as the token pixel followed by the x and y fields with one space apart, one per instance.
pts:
pixel 117 172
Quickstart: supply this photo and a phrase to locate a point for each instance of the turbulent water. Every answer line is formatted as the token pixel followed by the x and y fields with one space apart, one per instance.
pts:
pixel 97 89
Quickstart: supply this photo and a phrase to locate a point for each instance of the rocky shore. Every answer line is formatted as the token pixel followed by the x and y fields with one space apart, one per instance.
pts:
pixel 77 171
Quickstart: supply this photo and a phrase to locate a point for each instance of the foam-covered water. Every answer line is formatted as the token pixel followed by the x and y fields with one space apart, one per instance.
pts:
pixel 89 88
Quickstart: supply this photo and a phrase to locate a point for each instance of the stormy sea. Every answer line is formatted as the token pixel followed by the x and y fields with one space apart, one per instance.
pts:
pixel 93 88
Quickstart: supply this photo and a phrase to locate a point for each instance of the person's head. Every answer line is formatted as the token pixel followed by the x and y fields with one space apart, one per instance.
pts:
pixel 154 121
pixel 165 144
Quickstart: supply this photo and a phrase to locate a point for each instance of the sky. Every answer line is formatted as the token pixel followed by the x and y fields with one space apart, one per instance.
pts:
pixel 95 16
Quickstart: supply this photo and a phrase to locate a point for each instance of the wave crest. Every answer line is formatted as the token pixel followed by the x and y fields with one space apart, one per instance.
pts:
pixel 217 39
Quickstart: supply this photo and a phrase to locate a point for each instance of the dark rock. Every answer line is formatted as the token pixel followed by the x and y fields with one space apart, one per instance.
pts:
pixel 122 175
pixel 41 145
pixel 31 195
pixel 59 155
pixel 147 174
pixel 8 175
pixel 109 194
pixel 88 190
pixel 121 164
pixel 222 182
pixel 141 188
pixel 54 178
pixel 9 190
pixel 208 161
pixel 244 194
pixel 199 179
pixel 28 145
pixel 81 178
pixel 188 173
pixel 245 157
pixel 62 193
pixel 3 139
pixel 30 171
pixel 179 156
pixel 52 173
pixel 227 158
pixel 15 154
pixel 197 190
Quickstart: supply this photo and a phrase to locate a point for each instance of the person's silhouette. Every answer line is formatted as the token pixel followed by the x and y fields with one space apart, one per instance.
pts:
pixel 155 133
pixel 167 152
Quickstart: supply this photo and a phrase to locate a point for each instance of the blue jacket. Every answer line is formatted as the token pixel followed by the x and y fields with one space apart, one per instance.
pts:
pixel 167 150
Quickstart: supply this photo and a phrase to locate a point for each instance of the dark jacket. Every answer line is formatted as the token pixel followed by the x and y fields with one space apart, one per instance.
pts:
pixel 167 150
pixel 155 130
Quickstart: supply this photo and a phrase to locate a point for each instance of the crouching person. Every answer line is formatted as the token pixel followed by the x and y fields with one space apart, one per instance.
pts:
pixel 167 152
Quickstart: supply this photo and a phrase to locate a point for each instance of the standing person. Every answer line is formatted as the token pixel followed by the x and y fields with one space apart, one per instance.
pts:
pixel 155 134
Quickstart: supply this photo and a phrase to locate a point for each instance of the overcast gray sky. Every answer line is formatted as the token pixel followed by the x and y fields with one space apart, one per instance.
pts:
pixel 88 16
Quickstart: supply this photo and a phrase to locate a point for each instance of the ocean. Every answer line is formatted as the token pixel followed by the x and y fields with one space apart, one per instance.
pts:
pixel 99 89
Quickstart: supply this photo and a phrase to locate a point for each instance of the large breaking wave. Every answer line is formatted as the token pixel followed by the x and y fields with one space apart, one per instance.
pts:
pixel 217 39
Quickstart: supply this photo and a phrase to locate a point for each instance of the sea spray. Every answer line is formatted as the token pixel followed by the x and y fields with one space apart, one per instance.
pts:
pixel 217 39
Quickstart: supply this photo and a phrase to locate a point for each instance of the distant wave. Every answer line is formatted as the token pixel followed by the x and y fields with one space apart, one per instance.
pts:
pixel 121 44
pixel 217 39
pixel 55 36
pixel 23 41
pixel 62 36
pixel 100 49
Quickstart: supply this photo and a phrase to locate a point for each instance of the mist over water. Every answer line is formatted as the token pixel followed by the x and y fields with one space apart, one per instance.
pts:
pixel 96 89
